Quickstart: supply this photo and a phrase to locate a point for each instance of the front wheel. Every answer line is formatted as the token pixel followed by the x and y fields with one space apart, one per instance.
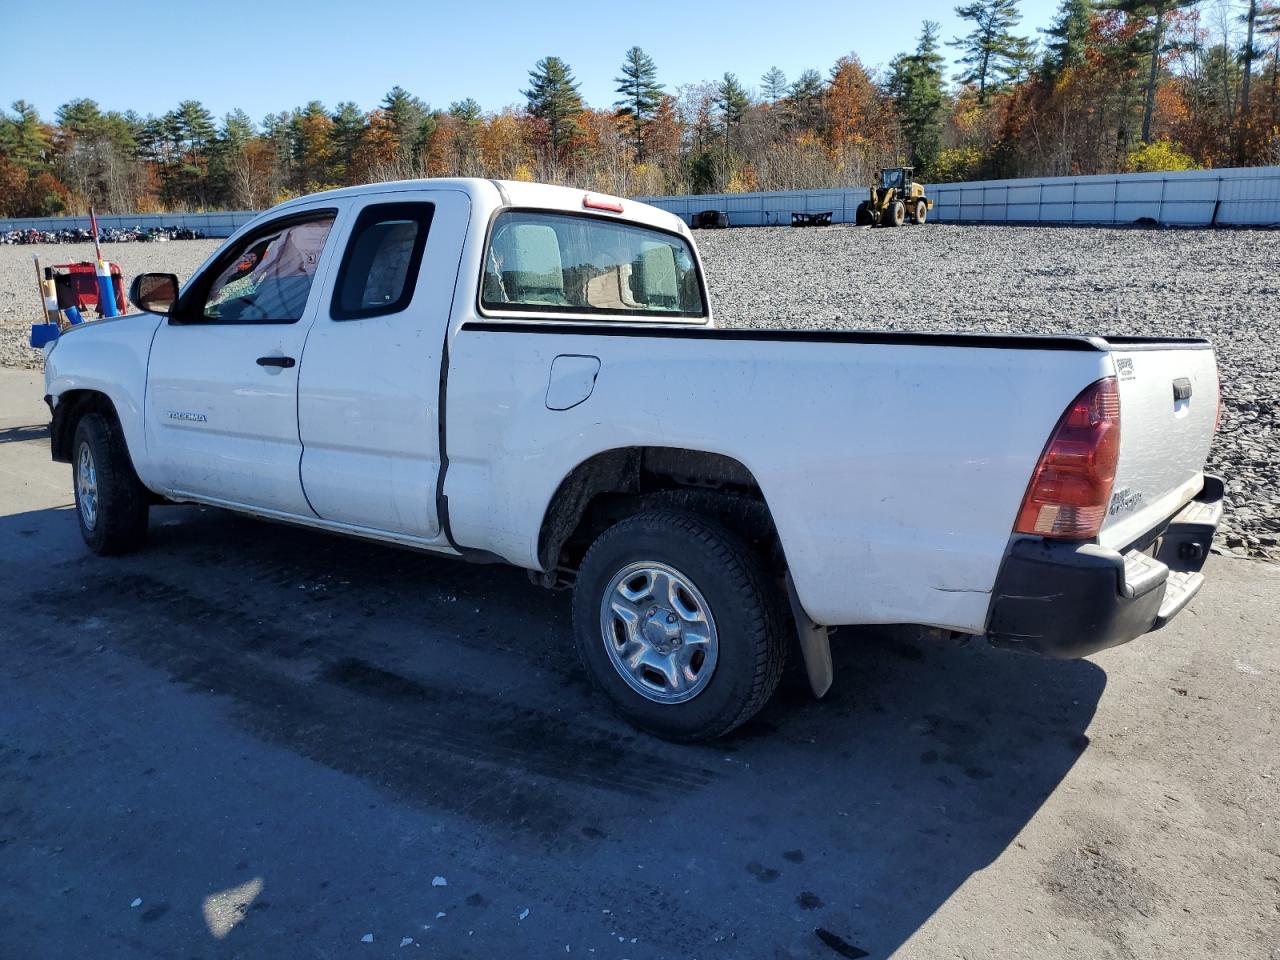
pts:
pixel 676 619
pixel 894 214
pixel 111 502
pixel 862 216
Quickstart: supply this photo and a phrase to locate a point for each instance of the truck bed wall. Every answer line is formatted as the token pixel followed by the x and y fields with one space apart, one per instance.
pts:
pixel 893 470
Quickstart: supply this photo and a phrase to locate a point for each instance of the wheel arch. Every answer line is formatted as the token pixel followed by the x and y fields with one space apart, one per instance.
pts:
pixel 71 408
pixel 615 483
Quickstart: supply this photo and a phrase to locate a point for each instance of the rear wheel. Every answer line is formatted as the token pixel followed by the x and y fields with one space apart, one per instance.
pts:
pixel 894 214
pixel 677 621
pixel 922 211
pixel 111 503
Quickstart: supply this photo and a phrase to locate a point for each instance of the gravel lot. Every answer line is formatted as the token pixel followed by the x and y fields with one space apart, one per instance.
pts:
pixel 1224 285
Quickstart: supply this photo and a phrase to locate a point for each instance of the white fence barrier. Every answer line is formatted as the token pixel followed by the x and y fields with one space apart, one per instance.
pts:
pixel 1243 196
pixel 210 224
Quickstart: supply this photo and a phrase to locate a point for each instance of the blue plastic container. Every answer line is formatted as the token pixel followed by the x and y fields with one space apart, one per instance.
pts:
pixel 42 333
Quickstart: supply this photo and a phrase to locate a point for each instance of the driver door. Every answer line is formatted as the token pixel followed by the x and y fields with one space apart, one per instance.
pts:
pixel 222 380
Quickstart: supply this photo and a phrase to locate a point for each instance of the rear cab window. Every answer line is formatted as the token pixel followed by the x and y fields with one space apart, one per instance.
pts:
pixel 379 268
pixel 580 264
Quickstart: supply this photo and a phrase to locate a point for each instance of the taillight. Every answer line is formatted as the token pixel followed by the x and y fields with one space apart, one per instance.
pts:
pixel 1069 491
pixel 597 203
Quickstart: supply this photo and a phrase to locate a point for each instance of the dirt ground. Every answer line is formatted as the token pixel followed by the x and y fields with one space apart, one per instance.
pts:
pixel 254 741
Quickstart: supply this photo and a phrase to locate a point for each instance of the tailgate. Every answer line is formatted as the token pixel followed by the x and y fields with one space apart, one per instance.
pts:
pixel 1168 408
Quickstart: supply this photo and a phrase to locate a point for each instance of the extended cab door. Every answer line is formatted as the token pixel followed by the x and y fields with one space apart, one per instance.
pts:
pixel 222 380
pixel 368 395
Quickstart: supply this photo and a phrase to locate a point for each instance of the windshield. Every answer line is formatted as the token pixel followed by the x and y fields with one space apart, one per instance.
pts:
pixel 891 178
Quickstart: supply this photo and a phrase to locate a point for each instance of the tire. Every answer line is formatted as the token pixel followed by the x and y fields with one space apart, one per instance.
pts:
pixel 862 216
pixel 112 505
pixel 922 211
pixel 738 647
pixel 894 214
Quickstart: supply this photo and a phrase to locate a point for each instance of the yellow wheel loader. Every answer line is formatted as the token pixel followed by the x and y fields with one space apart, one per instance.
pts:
pixel 896 200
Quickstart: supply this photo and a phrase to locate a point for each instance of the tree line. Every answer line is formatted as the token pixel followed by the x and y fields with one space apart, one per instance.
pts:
pixel 1110 85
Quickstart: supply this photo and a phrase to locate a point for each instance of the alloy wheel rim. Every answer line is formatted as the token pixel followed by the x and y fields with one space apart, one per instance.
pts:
pixel 659 632
pixel 87 487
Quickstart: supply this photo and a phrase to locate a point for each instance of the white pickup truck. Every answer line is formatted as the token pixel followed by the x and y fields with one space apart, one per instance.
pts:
pixel 529 374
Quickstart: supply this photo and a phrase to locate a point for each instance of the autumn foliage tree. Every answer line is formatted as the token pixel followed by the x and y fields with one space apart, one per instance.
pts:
pixel 1113 85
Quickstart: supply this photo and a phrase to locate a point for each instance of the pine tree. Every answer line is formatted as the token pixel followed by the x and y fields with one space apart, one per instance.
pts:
pixel 1068 37
pixel 991 52
pixel 805 96
pixel 916 86
pixel 237 128
pixel 731 100
pixel 194 125
pixel 466 111
pixel 346 135
pixel 641 94
pixel 554 99
pixel 406 115
pixel 773 85
pixel 1155 14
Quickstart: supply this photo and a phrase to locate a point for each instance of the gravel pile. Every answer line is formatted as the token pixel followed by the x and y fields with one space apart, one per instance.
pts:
pixel 1224 285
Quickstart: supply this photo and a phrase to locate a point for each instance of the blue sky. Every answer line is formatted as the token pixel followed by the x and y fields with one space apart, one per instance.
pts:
pixel 268 56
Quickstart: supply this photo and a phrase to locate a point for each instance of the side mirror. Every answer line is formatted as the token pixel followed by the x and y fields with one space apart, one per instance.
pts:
pixel 154 292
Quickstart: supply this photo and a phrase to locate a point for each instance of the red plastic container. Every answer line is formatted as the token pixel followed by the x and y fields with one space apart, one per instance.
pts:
pixel 77 285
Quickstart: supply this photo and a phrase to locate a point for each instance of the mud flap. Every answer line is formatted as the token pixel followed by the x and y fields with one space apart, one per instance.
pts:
pixel 815 645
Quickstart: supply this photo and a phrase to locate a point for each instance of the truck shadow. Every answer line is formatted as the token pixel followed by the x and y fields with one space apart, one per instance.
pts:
pixel 454 690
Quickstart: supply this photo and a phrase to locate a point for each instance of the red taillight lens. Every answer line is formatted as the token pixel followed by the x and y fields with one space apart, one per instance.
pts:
pixel 596 203
pixel 1069 491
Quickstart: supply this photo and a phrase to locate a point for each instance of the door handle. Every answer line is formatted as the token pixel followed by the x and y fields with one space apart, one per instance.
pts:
pixel 276 361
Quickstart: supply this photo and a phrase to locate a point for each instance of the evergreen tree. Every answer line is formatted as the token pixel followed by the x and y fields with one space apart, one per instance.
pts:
pixel 641 94
pixel 466 111
pixel 773 84
pixel 991 53
pixel 406 115
pixel 194 126
pixel 1155 15
pixel 1068 36
pixel 346 135
pixel 23 138
pixel 731 100
pixel 1248 55
pixel 916 87
pixel 554 99
pixel 237 129
pixel 806 99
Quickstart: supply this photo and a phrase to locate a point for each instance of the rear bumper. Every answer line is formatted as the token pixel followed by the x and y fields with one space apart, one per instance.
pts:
pixel 1065 600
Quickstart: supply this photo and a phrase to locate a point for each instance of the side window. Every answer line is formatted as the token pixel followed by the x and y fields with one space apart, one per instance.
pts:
pixel 380 265
pixel 553 262
pixel 267 279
